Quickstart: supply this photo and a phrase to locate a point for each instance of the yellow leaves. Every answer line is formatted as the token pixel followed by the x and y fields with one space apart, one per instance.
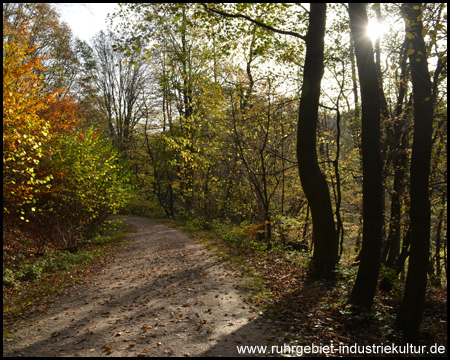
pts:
pixel 25 128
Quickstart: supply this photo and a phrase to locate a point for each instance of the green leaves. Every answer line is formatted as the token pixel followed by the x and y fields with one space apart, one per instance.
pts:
pixel 25 133
pixel 92 177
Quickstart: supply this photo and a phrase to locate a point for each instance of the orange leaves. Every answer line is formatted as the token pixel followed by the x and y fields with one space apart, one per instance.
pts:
pixel 24 132
pixel 63 115
pixel 253 229
pixel 32 119
pixel 107 349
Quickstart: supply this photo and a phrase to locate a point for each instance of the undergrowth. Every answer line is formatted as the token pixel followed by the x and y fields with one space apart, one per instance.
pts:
pixel 309 309
pixel 31 281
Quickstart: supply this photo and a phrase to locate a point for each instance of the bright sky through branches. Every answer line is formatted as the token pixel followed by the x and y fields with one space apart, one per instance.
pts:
pixel 85 19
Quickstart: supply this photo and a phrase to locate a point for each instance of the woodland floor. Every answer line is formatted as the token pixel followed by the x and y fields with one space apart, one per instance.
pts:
pixel 163 295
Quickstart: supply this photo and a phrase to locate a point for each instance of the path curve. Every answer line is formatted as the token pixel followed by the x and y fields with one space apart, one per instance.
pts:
pixel 163 295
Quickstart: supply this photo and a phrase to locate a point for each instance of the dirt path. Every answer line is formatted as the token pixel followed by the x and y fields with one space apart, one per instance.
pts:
pixel 163 295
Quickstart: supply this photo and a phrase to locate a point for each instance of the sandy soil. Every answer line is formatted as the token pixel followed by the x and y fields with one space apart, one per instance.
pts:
pixel 163 295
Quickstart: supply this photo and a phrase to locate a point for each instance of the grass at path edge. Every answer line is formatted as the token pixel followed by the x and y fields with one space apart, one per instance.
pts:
pixel 34 285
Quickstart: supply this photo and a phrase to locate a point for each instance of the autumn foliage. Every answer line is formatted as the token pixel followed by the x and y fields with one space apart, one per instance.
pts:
pixel 24 131
pixel 57 173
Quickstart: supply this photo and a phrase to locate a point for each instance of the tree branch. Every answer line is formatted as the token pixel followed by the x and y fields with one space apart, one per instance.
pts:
pixel 259 23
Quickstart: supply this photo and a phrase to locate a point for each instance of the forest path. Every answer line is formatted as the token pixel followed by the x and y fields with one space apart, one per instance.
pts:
pixel 163 295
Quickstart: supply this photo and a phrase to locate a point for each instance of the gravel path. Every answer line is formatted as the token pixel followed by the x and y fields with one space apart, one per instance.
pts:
pixel 163 295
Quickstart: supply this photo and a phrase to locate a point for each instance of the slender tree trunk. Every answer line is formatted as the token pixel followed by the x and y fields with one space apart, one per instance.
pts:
pixel 352 61
pixel 366 281
pixel 340 226
pixel 437 253
pixel 306 223
pixel 411 308
pixel 397 130
pixel 399 264
pixel 325 256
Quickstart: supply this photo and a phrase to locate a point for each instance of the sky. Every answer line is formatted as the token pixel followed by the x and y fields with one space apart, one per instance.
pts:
pixel 85 19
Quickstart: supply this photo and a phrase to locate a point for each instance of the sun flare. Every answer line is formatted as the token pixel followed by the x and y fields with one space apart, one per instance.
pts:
pixel 375 30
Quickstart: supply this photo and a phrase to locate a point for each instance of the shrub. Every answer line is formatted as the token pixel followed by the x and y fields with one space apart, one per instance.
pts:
pixel 91 181
pixel 228 232
pixel 142 207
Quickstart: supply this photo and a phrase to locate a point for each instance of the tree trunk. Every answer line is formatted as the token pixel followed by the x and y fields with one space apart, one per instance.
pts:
pixel 366 281
pixel 397 131
pixel 411 308
pixel 437 251
pixel 399 264
pixel 325 256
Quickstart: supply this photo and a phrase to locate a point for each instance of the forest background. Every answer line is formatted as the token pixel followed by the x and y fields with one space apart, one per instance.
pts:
pixel 281 127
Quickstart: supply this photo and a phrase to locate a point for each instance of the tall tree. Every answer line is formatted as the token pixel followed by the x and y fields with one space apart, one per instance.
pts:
pixel 325 256
pixel 51 40
pixel 366 281
pixel 121 89
pixel 411 308
pixel 24 131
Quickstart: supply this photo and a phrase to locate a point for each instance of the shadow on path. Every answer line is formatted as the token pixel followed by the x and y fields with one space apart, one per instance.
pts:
pixel 163 295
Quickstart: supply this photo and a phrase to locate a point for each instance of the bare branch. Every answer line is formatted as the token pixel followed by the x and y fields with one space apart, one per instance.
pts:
pixel 257 22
